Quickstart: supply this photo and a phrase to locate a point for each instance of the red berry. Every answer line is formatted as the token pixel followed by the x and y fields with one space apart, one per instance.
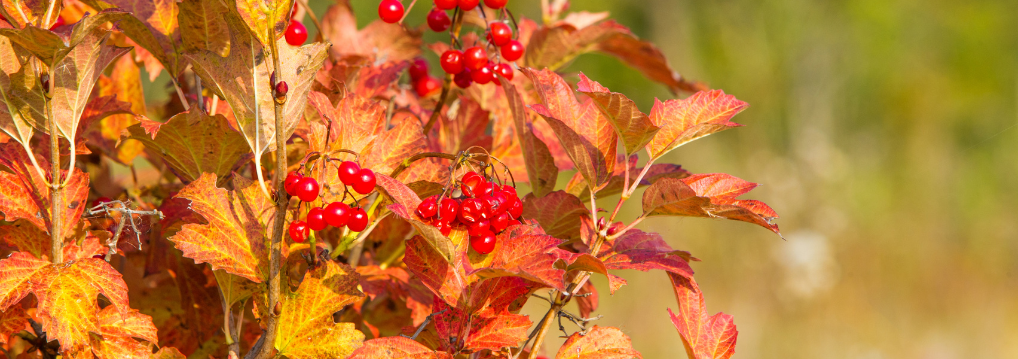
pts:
pixel 446 4
pixel 480 228
pixel 498 202
pixel 509 191
pixel 418 69
pixel 448 209
pixel 463 79
pixel 468 5
pixel 499 33
pixel 512 51
pixel 348 172
pixel 316 219
pixel 365 181
pixel 505 70
pixel 337 214
pixel 299 231
pixel 427 86
pixel 291 183
pixel 391 11
pixel 500 222
pixel 444 227
pixel 358 220
pixel 515 209
pixel 495 4
pixel 471 211
pixel 483 75
pixel 483 188
pixel 438 20
pixel 307 189
pixel 428 207
pixel 452 61
pixel 483 244
pixel 58 23
pixel 475 58
pixel 296 33
pixel 470 182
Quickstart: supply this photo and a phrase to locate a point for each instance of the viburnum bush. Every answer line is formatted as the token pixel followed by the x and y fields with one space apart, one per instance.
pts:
pixel 345 200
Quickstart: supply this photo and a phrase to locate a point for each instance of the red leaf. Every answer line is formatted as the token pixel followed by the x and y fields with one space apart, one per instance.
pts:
pixel 587 135
pixel 707 195
pixel 447 279
pixel 634 128
pixel 406 201
pixel 577 186
pixel 587 299
pixel 522 252
pixel 484 317
pixel 699 115
pixel 466 130
pixel 705 337
pixel 644 251
pixel 598 343
pixel 24 195
pixel 540 163
pixel 558 213
pixel 396 348
pixel 393 146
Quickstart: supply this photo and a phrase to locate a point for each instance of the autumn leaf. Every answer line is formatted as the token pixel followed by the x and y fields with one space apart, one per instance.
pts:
pixel 696 116
pixel 558 213
pixel 168 353
pixel 12 320
pixel 234 239
pixel 32 10
pixel 587 135
pixel 634 128
pixel 644 251
pixel 192 143
pixel 447 278
pixel 202 26
pixel 356 122
pixel 394 146
pixel 24 194
pixel 712 195
pixel 540 164
pixel 396 348
pixel 598 343
pixel 397 282
pixel 703 335
pixel 587 299
pixel 378 40
pixel 524 252
pixel 153 25
pixel 26 237
pixel 306 328
pixel 467 129
pixel 485 317
pixel 406 202
pixel 14 67
pixel 577 186
pixel 118 332
pixel 243 79
pixel 66 294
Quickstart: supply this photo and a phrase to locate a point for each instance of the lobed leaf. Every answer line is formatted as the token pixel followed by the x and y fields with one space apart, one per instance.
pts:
pixel 558 213
pixel 708 195
pixel 634 128
pixel 24 194
pixel 192 143
pixel 396 348
pixel 522 252
pixel 26 237
pixel 118 332
pixel 699 115
pixel 306 326
pixel 540 164
pixel 598 343
pixel 406 202
pixel 356 122
pixel 704 336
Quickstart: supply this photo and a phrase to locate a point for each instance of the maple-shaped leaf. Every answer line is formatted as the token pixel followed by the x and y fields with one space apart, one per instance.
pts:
pixel 243 79
pixel 577 185
pixel 26 237
pixel 355 122
pixel 234 239
pixel 696 116
pixel 558 213
pixel 306 328
pixel 587 135
pixel 485 317
pixel 66 293
pixel 378 40
pixel 395 145
pixel 598 343
pixel 24 194
pixel 12 320
pixel 705 336
pixel 192 143
pixel 203 27
pixel 634 127
pixel 712 195
pixel 465 130
pixel 405 204
pixel 118 334
pixel 396 348
pixel 524 252
pixel 541 170
pixel 153 25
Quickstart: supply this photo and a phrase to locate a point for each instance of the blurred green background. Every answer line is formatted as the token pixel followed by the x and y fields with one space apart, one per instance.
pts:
pixel 885 132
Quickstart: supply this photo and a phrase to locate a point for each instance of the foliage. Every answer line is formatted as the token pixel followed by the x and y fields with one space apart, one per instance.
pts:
pixel 435 261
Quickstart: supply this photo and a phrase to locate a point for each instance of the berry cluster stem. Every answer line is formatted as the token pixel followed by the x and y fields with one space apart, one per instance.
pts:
pixel 457 25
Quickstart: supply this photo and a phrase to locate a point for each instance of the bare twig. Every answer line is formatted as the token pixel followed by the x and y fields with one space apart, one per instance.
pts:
pixel 425 324
pixel 126 216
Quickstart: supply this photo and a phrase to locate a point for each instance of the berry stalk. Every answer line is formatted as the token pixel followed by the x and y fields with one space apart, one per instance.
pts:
pixel 457 25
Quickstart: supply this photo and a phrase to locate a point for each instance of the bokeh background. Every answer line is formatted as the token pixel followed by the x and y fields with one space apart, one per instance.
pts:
pixel 885 133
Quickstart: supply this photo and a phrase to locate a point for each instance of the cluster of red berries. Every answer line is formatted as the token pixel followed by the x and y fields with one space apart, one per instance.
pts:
pixel 485 210
pixel 296 33
pixel 336 214
pixel 392 11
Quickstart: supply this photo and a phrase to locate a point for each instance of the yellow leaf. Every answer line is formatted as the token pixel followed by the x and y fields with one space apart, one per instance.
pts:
pixel 306 328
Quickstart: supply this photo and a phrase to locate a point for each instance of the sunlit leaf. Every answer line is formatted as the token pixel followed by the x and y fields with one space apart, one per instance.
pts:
pixel 24 195
pixel 598 343
pixel 202 26
pixel 704 336
pixel 118 332
pixel 14 67
pixel 485 317
pixel 267 19
pixel 306 328
pixel 577 186
pixel 234 239
pixel 394 146
pixel 396 348
pixel 447 278
pixel 558 213
pixel 696 116
pixel 644 251
pixel 467 129
pixel 710 195
pixel 356 123
pixel 634 127
pixel 26 237
pixel 74 77
pixel 378 40
pixel 519 251
pixel 406 202
pixel 541 170
pixel 150 24
pixel 13 320
pixel 193 143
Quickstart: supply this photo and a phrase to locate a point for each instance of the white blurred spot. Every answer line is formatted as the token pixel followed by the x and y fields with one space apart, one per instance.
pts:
pixel 808 264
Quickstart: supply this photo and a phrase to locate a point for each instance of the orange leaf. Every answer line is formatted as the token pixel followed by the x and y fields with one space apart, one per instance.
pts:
pixel 484 318
pixel 406 202
pixel 710 195
pixel 306 328
pixel 356 123
pixel 202 26
pixel 634 127
pixel 376 41
pixel 396 348
pixel 192 143
pixel 234 238
pixel 124 83
pixel 699 115
pixel 24 195
pixel 598 343
pixel 525 251
pixel 168 353
pixel 26 237
pixel 558 213
pixel 446 278
pixel 118 332
pixel 267 19
pixel 395 145
pixel 540 164
pixel 13 320
pixel 704 336
pixel 466 130
pixel 17 80
pixel 587 135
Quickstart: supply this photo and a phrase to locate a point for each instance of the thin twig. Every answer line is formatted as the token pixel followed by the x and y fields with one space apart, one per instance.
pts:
pixel 424 324
pixel 180 94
